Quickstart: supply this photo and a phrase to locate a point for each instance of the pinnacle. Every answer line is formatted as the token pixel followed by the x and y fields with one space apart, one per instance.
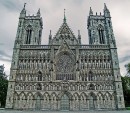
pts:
pixel 64 20
pixel 90 11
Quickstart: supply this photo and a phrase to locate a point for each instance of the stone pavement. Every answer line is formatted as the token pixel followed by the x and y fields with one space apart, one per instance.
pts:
pixel 90 111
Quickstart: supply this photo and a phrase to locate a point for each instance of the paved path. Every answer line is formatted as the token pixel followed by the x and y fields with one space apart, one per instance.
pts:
pixel 18 111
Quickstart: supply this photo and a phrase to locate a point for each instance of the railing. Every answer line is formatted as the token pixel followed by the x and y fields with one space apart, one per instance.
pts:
pixel 71 46
pixel 35 46
pixel 94 46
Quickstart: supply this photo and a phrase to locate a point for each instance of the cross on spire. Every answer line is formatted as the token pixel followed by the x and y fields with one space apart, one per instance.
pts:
pixel 24 5
pixel 64 16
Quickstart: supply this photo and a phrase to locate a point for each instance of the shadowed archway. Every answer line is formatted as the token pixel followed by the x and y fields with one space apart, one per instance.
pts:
pixel 65 102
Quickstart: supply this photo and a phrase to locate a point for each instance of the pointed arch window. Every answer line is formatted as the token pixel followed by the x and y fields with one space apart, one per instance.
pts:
pixel 28 34
pixel 39 76
pixel 90 76
pixel 101 34
pixel 109 23
pixel 39 39
pixel 91 87
pixel 65 102
pixel 39 86
pixel 90 38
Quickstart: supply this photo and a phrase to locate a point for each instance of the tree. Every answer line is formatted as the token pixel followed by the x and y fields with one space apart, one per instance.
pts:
pixel 128 69
pixel 126 85
pixel 3 90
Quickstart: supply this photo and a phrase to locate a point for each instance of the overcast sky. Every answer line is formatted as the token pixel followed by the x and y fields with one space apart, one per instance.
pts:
pixel 52 12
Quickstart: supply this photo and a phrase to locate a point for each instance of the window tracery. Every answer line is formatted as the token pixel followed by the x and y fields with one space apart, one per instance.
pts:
pixel 64 64
pixel 90 76
pixel 28 34
pixel 39 76
pixel 64 68
pixel 39 86
pixel 101 35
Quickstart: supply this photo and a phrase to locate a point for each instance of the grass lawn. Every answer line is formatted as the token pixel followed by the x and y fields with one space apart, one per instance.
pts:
pixel 128 108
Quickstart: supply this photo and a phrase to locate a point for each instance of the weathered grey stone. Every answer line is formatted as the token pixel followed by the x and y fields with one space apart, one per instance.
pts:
pixel 65 75
pixel 89 111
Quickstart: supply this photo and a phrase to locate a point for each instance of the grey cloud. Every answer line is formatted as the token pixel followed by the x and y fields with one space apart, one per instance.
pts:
pixel 5 59
pixel 4 54
pixel 124 59
pixel 1 43
pixel 11 4
pixel 78 2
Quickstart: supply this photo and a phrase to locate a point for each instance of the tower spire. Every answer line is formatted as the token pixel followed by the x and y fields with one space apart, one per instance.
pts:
pixel 23 12
pixel 38 13
pixel 79 37
pixel 64 20
pixel 90 11
pixel 105 7
pixel 25 5
pixel 50 37
pixel 106 11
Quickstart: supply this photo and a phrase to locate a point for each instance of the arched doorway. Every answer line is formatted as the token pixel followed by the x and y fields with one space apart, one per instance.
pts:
pixel 92 100
pixel 65 104
pixel 38 103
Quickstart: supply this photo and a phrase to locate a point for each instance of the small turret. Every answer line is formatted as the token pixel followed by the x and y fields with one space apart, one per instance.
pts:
pixel 79 37
pixel 106 11
pixel 50 37
pixel 90 12
pixel 38 13
pixel 23 12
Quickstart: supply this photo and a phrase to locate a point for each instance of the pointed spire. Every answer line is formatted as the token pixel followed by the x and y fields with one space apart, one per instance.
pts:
pixel 90 11
pixel 50 37
pixel 106 11
pixel 79 37
pixel 78 32
pixel 105 7
pixel 50 32
pixel 23 12
pixel 38 12
pixel 25 5
pixel 64 20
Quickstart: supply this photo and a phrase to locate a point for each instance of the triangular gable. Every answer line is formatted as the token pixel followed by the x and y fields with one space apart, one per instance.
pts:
pixel 64 33
pixel 64 29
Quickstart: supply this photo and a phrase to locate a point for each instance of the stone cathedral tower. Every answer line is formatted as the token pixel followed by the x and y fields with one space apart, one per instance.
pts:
pixel 65 75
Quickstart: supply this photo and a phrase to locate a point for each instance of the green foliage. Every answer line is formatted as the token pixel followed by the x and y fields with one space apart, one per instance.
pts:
pixel 128 108
pixel 128 68
pixel 126 86
pixel 126 89
pixel 3 90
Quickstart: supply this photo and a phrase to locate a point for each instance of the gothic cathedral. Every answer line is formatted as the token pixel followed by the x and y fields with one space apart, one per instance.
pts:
pixel 65 75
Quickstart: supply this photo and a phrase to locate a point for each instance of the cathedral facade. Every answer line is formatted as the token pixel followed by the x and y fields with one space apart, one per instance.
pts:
pixel 65 74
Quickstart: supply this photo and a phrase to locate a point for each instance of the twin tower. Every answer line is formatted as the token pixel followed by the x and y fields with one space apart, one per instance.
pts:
pixel 100 29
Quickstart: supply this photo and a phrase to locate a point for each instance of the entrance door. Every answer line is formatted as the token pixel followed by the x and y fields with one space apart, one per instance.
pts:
pixel 65 105
pixel 38 103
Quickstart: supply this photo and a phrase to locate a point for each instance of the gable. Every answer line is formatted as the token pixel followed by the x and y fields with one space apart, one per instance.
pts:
pixel 64 33
pixel 64 29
